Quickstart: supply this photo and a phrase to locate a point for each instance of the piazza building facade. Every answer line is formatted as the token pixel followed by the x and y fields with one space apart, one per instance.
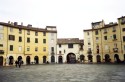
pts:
pixel 29 44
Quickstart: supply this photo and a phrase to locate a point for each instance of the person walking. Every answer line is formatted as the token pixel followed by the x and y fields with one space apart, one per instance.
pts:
pixel 19 63
pixel 16 62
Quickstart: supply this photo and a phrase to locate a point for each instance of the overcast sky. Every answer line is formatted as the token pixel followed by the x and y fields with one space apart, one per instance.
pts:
pixel 70 16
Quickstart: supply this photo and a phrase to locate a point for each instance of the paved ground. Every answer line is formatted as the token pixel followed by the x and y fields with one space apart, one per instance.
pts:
pixel 64 73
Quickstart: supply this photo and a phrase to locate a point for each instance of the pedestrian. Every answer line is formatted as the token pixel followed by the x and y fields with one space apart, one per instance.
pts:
pixel 19 63
pixel 16 62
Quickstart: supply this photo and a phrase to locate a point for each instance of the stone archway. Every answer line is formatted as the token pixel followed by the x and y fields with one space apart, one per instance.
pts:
pixel 1 60
pixel 36 60
pixel 98 57
pixel 107 58
pixel 11 60
pixel 82 58
pixel 116 58
pixel 90 58
pixel 28 60
pixel 44 59
pixel 19 58
pixel 71 58
pixel 60 59
pixel 52 59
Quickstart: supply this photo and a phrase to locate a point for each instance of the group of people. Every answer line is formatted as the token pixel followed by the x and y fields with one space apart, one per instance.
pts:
pixel 18 63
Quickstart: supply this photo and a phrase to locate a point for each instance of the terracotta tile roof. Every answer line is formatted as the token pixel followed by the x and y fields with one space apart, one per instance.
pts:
pixel 69 40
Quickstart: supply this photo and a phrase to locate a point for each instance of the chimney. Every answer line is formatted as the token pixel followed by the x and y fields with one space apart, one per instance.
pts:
pixel 15 23
pixel 29 25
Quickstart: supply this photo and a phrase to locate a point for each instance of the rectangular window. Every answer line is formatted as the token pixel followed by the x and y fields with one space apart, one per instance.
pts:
pixel 36 33
pixel 11 37
pixel 52 49
pixel 44 41
pixel 123 38
pixel 60 45
pixel 105 30
pixel 20 31
pixel 1 45
pixel 114 36
pixel 114 29
pixel 44 49
pixel 96 32
pixel 1 27
pixel 28 40
pixel 123 29
pixel 28 48
pixel 20 48
pixel 1 36
pixel 36 40
pixel 28 32
pixel 44 33
pixel 11 47
pixel 20 39
pixel 11 29
pixel 70 45
pixel 105 37
pixel 36 49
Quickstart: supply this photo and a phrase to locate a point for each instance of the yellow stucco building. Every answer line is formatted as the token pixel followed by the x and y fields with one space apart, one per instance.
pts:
pixel 108 41
pixel 26 43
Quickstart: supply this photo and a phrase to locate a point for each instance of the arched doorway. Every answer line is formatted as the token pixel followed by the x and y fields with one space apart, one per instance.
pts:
pixel 82 58
pixel 44 59
pixel 52 59
pixel 71 58
pixel 116 58
pixel 107 58
pixel 36 59
pixel 19 58
pixel 28 60
pixel 98 57
pixel 11 60
pixel 60 59
pixel 90 58
pixel 1 60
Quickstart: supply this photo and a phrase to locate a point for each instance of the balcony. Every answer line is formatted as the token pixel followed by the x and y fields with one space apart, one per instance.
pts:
pixel 115 49
pixel 1 51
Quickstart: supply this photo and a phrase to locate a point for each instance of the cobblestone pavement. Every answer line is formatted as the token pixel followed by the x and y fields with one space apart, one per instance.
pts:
pixel 64 73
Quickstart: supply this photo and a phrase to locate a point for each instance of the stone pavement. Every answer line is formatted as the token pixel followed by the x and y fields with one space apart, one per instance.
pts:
pixel 64 73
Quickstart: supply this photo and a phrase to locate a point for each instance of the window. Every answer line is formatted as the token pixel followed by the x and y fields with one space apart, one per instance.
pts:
pixel 44 49
pixel 36 33
pixel 28 32
pixel 20 48
pixel 52 49
pixel 20 31
pixel 1 45
pixel 20 39
pixel 96 32
pixel 11 37
pixel 11 47
pixel 1 36
pixel 44 41
pixel 89 43
pixel 70 45
pixel 87 33
pixel 1 27
pixel 105 30
pixel 60 52
pixel 28 48
pixel 44 33
pixel 60 45
pixel 36 40
pixel 114 37
pixel 11 29
pixel 123 29
pixel 28 40
pixel 114 29
pixel 36 48
pixel 105 37
pixel 97 38
pixel 123 38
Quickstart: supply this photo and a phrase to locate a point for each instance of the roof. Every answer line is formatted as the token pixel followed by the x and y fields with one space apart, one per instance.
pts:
pixel 121 17
pixel 28 28
pixel 69 40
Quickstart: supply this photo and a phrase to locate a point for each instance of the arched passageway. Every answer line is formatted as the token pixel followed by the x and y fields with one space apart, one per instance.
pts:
pixel 11 60
pixel 36 60
pixel 44 59
pixel 60 59
pixel 116 58
pixel 90 58
pixel 28 60
pixel 82 58
pixel 107 58
pixel 71 58
pixel 98 57
pixel 1 60
pixel 52 59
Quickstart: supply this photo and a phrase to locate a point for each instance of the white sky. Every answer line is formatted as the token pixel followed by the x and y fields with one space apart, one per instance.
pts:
pixel 70 16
